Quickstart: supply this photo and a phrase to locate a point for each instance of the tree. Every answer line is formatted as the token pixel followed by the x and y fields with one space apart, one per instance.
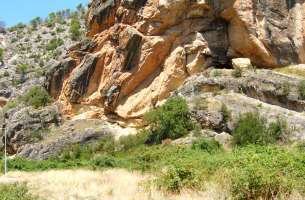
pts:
pixel 75 29
pixel 2 26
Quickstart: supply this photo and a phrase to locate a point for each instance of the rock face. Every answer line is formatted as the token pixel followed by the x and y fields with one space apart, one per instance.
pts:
pixel 144 49
pixel 27 124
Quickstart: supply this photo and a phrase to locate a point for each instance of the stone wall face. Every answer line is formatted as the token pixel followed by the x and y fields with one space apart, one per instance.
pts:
pixel 145 49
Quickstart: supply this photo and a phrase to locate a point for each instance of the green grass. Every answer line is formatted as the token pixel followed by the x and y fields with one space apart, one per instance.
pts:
pixel 254 171
pixel 15 192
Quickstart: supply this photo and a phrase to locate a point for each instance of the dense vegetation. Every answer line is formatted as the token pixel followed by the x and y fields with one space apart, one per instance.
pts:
pixel 172 120
pixel 255 169
pixel 37 97
pixel 15 192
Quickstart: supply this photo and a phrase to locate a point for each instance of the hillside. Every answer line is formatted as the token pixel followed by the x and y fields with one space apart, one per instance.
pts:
pixel 180 99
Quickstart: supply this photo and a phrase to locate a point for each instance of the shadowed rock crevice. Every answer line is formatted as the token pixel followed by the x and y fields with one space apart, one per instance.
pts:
pixel 78 83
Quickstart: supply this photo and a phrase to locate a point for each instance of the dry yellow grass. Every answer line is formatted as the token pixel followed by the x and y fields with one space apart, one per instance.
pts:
pixel 114 184
pixel 292 70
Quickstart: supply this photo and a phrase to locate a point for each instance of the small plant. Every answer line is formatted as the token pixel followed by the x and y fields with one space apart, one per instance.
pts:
pixel 226 114
pixel 22 68
pixel 176 178
pixel 10 104
pixel 36 97
pixel 208 145
pixel 285 88
pixel 301 89
pixel 127 142
pixel 237 72
pixel 54 43
pixel 75 29
pixel 216 73
pixel 252 129
pixel 169 121
pixel 15 192
pixel 1 54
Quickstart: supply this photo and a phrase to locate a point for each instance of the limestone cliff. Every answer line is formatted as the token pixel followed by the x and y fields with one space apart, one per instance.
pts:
pixel 141 50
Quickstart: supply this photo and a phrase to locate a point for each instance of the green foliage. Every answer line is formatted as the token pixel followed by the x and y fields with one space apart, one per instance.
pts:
pixel 237 72
pixel 15 192
pixel 254 172
pixel 54 43
pixel 177 177
pixel 10 104
pixel 285 88
pixel 22 68
pixel 216 73
pixel 301 89
pixel 35 22
pixel 207 145
pixel 37 97
pixel 1 54
pixel 171 120
pixel 127 142
pixel 226 114
pixel 252 129
pixel 75 29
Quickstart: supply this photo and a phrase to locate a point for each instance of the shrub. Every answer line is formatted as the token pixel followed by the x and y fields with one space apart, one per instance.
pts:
pixel 22 68
pixel 54 43
pixel 10 104
pixel 252 129
pixel 105 161
pixel 262 173
pixel 249 129
pixel 301 89
pixel 176 178
pixel 15 192
pixel 285 87
pixel 36 97
pixel 216 73
pixel 1 54
pixel 237 72
pixel 207 145
pixel 169 121
pixel 130 141
pixel 75 29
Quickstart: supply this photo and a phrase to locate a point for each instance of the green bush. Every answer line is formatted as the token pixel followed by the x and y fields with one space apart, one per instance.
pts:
pixel 237 72
pixel 75 29
pixel 285 88
pixel 15 192
pixel 130 141
pixel 252 129
pixel 54 43
pixel 207 145
pixel 176 178
pixel 266 173
pixel 301 89
pixel 10 104
pixel 37 97
pixel 22 68
pixel 1 54
pixel 169 121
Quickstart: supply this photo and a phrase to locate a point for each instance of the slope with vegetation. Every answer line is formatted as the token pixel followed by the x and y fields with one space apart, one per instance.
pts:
pixel 159 98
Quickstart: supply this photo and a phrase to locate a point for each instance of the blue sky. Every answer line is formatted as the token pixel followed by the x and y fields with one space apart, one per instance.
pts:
pixel 14 11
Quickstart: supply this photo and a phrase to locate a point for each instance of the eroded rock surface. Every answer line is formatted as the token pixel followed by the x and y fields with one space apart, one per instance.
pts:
pixel 146 49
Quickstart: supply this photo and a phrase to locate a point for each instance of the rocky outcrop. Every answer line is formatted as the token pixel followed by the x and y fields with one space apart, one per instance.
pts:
pixel 27 125
pixel 71 133
pixel 146 49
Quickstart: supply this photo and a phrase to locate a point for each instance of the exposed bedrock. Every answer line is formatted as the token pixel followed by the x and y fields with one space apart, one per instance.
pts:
pixel 145 49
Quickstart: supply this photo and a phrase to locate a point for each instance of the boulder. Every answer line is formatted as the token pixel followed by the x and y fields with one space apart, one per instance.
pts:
pixel 27 125
pixel 242 63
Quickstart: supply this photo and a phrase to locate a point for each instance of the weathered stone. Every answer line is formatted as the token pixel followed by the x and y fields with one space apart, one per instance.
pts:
pixel 78 83
pixel 24 125
pixel 242 63
pixel 57 74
